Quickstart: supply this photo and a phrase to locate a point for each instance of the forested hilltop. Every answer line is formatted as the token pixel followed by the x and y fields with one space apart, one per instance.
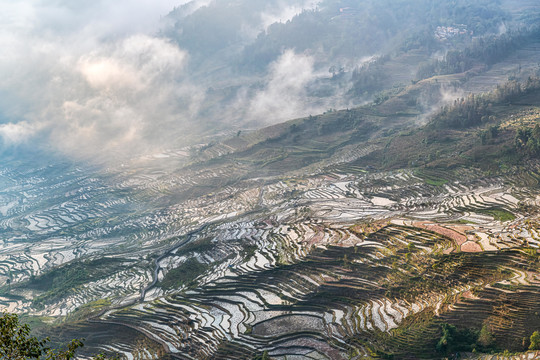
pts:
pixel 334 54
pixel 335 28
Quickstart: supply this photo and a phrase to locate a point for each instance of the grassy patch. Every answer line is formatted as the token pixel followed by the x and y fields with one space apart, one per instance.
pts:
pixel 36 323
pixel 498 214
pixel 185 274
pixel 200 245
pixel 248 251
pixel 87 310
pixel 431 178
pixel 73 274
pixel 461 221
pixel 437 182
pixel 60 281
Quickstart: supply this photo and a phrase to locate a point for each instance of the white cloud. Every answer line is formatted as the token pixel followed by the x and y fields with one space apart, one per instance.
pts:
pixel 131 99
pixel 16 133
pixel 87 78
pixel 285 11
pixel 133 65
pixel 284 95
pixel 90 79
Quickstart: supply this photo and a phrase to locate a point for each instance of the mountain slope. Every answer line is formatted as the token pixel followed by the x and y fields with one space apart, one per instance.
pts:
pixel 312 239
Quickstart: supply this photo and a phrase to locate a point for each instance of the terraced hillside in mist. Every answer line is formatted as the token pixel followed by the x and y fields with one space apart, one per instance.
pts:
pixel 365 232
pixel 304 240
pixel 147 206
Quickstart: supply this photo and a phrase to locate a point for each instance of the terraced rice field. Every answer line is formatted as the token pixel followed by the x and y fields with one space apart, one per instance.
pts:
pixel 282 241
pixel 322 302
pixel 319 266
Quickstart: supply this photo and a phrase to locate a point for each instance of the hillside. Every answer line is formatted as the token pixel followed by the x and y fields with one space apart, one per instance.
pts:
pixel 358 182
pixel 349 234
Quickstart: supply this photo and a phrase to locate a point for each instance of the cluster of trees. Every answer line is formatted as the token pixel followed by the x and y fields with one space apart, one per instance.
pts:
pixel 454 340
pixel 63 279
pixel 489 134
pixel 345 28
pixel 534 341
pixel 185 274
pixel 528 140
pixel 484 50
pixel 476 109
pixel 422 39
pixel 465 112
pixel 16 343
pixel 368 78
pixel 357 32
pixel 216 26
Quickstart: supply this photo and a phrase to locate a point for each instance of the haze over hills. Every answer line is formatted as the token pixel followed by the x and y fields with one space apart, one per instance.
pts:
pixel 273 179
pixel 94 82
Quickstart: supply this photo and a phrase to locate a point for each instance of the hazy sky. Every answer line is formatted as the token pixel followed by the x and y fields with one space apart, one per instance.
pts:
pixel 92 78
pixel 86 75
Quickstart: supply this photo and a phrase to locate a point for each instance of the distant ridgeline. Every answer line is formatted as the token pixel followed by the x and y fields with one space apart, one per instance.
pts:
pixel 339 28
pixel 362 29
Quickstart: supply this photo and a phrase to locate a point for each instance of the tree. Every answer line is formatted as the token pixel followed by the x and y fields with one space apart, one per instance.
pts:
pixel 535 341
pixel 446 340
pixel 17 344
pixel 485 338
pixel 454 340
